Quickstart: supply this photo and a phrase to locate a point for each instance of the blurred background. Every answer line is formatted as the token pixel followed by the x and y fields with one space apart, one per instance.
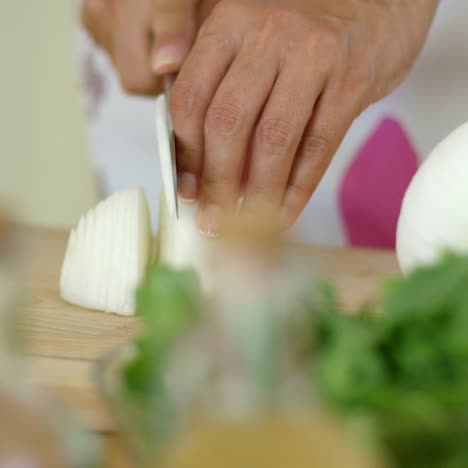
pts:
pixel 71 136
pixel 47 175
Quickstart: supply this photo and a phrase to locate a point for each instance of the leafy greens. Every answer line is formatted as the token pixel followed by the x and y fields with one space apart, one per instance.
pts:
pixel 405 368
pixel 401 368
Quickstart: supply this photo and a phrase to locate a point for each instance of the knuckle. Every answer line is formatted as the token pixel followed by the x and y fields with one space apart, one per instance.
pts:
pixel 258 40
pixel 217 188
pixel 216 183
pixel 225 9
pixel 217 39
pixel 329 40
pixel 209 29
pixel 358 78
pixel 223 117
pixel 298 189
pixel 276 132
pixel 324 41
pixel 167 9
pixel 222 13
pixel 315 145
pixel 185 101
pixel 281 15
pixel 273 25
pixel 213 32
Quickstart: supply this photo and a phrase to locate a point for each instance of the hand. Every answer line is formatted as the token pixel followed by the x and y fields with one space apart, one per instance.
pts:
pixel 270 89
pixel 144 38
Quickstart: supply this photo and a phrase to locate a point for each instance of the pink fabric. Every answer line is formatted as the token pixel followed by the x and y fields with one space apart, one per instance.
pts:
pixel 373 186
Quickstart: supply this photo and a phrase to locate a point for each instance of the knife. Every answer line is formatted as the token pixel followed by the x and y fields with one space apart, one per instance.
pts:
pixel 166 147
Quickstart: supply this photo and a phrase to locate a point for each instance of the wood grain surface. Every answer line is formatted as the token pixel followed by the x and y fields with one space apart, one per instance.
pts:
pixel 65 341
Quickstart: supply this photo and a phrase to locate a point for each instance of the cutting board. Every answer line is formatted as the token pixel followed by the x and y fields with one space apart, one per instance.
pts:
pixel 66 341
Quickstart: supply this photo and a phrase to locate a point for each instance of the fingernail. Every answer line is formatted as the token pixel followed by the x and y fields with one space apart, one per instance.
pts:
pixel 167 58
pixel 210 220
pixel 187 185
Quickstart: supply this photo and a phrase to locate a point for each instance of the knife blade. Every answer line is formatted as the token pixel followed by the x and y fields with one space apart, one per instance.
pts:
pixel 166 146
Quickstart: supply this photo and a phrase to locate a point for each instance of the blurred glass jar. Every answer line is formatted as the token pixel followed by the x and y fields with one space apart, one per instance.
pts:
pixel 192 434
pixel 35 430
pixel 233 391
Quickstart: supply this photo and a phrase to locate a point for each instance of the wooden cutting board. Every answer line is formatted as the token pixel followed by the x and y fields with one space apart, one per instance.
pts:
pixel 66 341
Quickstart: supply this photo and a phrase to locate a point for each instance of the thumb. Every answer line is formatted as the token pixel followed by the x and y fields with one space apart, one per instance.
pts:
pixel 173 27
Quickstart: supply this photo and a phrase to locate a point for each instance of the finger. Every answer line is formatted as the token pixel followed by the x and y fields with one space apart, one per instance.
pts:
pixel 173 27
pixel 205 8
pixel 196 84
pixel 132 42
pixel 97 18
pixel 332 118
pixel 229 125
pixel 279 132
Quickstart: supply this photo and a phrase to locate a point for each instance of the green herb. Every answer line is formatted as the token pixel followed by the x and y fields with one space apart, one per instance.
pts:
pixel 169 303
pixel 405 368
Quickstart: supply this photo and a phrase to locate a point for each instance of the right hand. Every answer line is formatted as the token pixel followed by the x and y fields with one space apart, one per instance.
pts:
pixel 144 38
pixel 270 89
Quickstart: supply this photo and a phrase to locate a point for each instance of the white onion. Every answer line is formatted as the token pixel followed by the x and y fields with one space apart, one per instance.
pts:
pixel 108 254
pixel 182 246
pixel 434 214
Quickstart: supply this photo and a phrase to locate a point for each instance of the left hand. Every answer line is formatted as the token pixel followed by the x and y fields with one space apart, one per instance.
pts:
pixel 144 38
